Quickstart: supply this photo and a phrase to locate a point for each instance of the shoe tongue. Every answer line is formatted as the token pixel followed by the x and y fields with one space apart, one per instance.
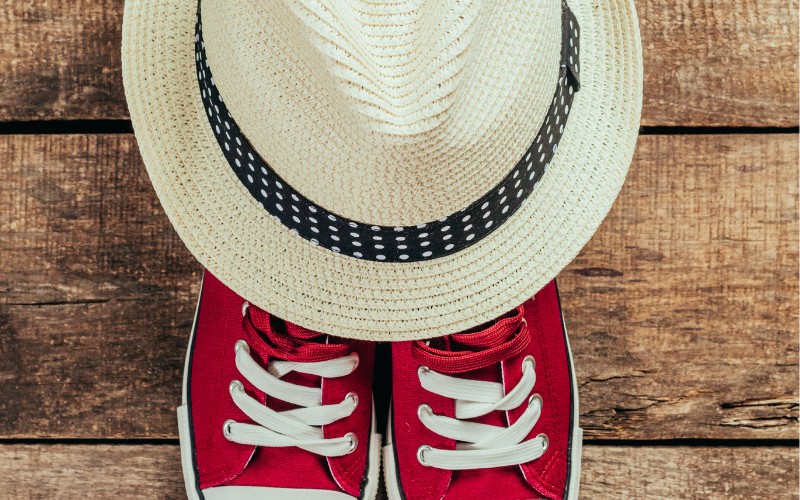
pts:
pixel 265 322
pixel 478 348
pixel 284 340
pixel 484 336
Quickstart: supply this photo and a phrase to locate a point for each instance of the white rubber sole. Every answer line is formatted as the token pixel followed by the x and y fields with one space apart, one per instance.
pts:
pixel 187 456
pixel 577 432
pixel 573 487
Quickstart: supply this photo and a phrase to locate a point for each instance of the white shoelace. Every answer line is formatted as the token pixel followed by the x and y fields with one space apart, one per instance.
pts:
pixel 300 427
pixel 481 445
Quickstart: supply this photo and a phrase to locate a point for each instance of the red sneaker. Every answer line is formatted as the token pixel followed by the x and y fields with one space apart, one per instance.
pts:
pixel 272 410
pixel 489 413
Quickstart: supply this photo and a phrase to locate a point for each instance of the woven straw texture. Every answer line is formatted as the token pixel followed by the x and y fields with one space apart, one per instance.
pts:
pixel 393 122
pixel 398 123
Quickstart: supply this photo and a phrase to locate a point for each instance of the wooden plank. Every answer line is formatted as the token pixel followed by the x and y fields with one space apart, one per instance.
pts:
pixel 707 62
pixel 91 471
pixel 691 284
pixel 609 472
pixel 682 310
pixel 720 63
pixel 96 291
pixel 60 60
pixel 689 472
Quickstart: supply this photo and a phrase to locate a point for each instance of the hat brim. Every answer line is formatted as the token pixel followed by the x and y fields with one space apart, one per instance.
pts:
pixel 231 234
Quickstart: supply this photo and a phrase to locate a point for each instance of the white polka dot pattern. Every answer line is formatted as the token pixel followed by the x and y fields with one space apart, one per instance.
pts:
pixel 393 244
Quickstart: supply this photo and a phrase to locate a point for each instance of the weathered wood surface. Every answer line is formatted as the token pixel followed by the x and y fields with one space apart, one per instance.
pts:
pixel 682 310
pixel 720 63
pixel 60 60
pixel 684 306
pixel 689 472
pixel 96 291
pixel 609 472
pixel 707 62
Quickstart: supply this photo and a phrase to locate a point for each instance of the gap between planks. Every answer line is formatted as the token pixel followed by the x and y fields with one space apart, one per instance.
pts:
pixel 77 127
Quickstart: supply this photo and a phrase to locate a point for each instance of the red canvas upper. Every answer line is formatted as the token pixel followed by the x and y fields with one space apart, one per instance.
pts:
pixel 494 352
pixel 220 462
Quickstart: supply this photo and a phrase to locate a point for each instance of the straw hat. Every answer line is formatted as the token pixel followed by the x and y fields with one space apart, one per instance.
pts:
pixel 384 170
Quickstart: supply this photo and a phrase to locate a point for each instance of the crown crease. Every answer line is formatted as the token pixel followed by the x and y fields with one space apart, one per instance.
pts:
pixel 398 61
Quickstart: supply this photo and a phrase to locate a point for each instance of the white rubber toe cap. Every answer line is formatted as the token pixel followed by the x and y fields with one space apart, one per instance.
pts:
pixel 260 493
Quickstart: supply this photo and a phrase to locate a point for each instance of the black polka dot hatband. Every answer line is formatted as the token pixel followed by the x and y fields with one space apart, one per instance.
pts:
pixel 384 171
pixel 428 240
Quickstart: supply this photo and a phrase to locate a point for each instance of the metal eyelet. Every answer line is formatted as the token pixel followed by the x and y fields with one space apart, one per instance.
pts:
pixel 422 369
pixel 536 397
pixel 235 385
pixel 529 360
pixel 421 454
pixel 241 344
pixel 226 429
pixel 545 441
pixel 245 306
pixel 423 408
pixel 353 442
pixel 353 397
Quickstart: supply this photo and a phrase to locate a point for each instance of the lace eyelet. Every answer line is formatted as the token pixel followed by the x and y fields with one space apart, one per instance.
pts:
pixel 226 429
pixel 545 441
pixel 235 385
pixel 353 397
pixel 241 344
pixel 422 369
pixel 529 360
pixel 421 454
pixel 423 408
pixel 245 306
pixel 353 441
pixel 536 397
pixel 357 358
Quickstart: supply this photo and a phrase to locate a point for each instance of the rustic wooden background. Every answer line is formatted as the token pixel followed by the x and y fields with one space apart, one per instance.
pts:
pixel 683 309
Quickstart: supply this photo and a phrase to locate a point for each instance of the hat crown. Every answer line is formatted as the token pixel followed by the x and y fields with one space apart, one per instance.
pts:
pixel 387 100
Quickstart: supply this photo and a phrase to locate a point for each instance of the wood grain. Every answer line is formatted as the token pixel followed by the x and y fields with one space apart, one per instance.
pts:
pixel 682 310
pixel 609 472
pixel 60 60
pixel 96 291
pixel 720 63
pixel 62 471
pixel 707 62
pixel 689 472
pixel 684 306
